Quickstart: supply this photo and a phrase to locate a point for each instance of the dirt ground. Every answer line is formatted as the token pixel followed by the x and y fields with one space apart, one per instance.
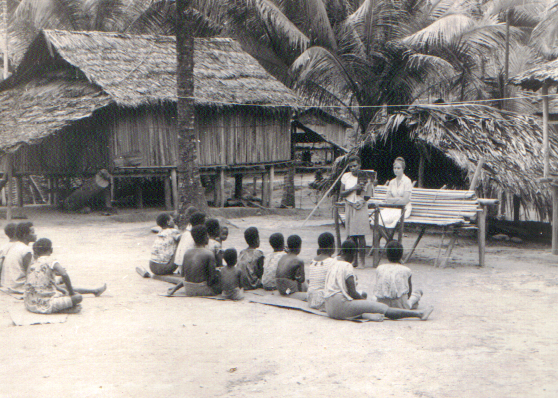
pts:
pixel 493 332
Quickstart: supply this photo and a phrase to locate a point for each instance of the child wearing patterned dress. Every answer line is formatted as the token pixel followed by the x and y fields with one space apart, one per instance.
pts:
pixel 42 294
pixel 393 281
pixel 251 260
pixel 162 253
pixel 277 242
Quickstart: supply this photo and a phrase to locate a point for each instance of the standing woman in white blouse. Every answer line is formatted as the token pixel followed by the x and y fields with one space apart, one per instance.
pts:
pixel 356 195
pixel 398 192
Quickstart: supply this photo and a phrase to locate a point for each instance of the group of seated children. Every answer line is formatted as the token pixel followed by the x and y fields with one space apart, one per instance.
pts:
pixel 32 271
pixel 330 283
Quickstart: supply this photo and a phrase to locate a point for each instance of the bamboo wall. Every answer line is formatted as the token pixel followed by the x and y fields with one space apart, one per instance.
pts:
pixel 248 137
pixel 334 132
pixel 83 149
pixel 145 137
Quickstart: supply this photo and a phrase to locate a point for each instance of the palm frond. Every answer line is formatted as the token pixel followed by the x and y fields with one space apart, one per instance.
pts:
pixel 311 17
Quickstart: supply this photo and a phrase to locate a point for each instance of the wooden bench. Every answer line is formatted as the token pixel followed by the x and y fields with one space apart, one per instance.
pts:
pixel 453 210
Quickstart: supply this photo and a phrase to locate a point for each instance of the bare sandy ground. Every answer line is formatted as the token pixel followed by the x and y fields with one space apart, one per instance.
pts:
pixel 493 332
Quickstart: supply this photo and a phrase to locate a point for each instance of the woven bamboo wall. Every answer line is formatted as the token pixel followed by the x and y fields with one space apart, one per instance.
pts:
pixel 80 150
pixel 248 137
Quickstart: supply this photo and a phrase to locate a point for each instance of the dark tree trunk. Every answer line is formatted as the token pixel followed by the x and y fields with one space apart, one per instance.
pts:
pixel 190 189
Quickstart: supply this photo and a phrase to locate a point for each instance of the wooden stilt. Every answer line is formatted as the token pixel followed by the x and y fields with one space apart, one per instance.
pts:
pixel 112 189
pixel 168 192
pixel 265 189
pixel 554 219
pixel 19 191
pixel 139 195
pixel 238 186
pixel 449 249
pixel 420 235
pixel 271 172
pixel 222 197
pixel 376 239
pixel 174 183
pixel 482 234
pixel 10 189
pixel 440 247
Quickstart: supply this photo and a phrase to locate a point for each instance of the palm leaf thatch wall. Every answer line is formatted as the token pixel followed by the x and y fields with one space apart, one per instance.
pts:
pixel 110 78
pixel 511 144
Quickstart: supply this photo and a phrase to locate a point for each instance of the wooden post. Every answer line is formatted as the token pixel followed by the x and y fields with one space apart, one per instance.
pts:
pixel 376 239
pixel 168 192
pixel 19 191
pixel 270 185
pixel 482 234
pixel 49 196
pixel 554 219
pixel 546 148
pixel 516 207
pixel 238 186
pixel 265 189
pixel 139 196
pixel 174 186
pixel 222 187
pixel 10 189
pixel 112 189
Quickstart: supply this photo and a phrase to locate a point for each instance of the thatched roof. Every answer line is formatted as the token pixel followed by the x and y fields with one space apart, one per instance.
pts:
pixel 535 78
pixel 66 76
pixel 45 105
pixel 511 144
pixel 136 70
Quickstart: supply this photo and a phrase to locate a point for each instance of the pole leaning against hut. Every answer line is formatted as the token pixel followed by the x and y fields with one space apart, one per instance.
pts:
pixel 542 77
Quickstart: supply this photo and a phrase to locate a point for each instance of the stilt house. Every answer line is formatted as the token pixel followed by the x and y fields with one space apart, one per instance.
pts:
pixel 84 101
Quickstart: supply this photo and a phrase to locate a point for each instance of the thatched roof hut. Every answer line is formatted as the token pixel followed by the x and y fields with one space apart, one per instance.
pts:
pixel 83 101
pixel 126 70
pixel 510 144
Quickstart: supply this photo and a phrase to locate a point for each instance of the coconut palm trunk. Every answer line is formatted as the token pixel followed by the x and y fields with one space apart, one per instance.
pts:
pixel 190 190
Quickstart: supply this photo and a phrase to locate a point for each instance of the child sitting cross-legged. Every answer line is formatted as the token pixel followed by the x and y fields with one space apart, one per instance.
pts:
pixel 42 294
pixel 393 281
pixel 277 242
pixel 230 277
pixel 162 253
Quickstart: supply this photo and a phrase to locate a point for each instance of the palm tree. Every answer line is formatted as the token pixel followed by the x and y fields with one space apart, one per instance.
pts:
pixel 189 184
pixel 381 53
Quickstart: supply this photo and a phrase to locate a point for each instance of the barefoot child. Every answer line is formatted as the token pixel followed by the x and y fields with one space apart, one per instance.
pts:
pixel 9 230
pixel 250 261
pixel 343 301
pixel 186 241
pixel 277 242
pixel 230 277
pixel 42 295
pixel 162 254
pixel 290 271
pixel 393 281
pixel 317 271
pixel 200 278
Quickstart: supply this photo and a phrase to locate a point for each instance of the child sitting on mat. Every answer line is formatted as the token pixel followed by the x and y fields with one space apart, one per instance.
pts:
pixel 162 253
pixel 251 260
pixel 42 294
pixel 230 277
pixel 277 242
pixel 393 281
pixel 290 271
